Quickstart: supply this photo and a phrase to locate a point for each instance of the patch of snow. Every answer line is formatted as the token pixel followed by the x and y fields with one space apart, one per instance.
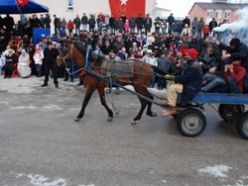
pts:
pixel 4 102
pixel 218 171
pixel 19 175
pixel 19 85
pixel 52 107
pixel 39 180
pixel 243 181
pixel 30 107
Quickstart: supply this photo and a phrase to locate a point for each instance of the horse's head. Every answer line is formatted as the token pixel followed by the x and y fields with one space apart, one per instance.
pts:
pixel 78 52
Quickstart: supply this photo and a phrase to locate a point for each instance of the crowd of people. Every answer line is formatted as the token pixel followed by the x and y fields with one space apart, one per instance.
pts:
pixel 184 49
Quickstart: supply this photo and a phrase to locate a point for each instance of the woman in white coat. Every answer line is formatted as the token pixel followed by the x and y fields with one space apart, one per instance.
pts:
pixel 23 67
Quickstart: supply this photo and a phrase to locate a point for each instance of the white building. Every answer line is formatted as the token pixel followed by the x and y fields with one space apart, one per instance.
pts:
pixel 162 13
pixel 70 8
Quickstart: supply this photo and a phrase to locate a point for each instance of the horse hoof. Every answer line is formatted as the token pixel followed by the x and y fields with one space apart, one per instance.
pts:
pixel 133 122
pixel 109 119
pixel 154 114
pixel 77 120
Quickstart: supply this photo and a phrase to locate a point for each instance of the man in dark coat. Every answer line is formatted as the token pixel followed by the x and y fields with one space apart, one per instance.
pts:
pixel 171 21
pixel 148 23
pixel 139 23
pixel 186 21
pixel 50 55
pixel 47 21
pixel 188 83
pixel 9 23
pixel 112 23
pixel 1 22
pixel 77 23
pixel 92 23
pixel 236 49
pixel 84 21
pixel 212 24
pixel 132 24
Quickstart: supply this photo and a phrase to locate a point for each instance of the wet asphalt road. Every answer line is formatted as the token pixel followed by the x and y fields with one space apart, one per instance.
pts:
pixel 41 145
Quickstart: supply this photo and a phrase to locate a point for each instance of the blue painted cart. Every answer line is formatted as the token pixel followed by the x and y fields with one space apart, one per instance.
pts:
pixel 191 119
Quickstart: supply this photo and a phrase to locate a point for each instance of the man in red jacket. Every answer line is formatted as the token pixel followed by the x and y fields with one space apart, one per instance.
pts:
pixel 235 74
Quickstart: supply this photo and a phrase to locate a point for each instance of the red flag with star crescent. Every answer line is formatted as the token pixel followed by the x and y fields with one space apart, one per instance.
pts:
pixel 127 7
pixel 22 2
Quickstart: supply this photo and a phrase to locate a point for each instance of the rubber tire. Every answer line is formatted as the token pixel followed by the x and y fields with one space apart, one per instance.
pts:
pixel 223 108
pixel 242 126
pixel 180 122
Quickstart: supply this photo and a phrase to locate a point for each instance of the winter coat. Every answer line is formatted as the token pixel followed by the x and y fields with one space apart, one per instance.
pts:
pixel 200 26
pixel 139 22
pixel 238 75
pixel 164 64
pixel 240 51
pixel 212 25
pixel 70 25
pixel 84 20
pixel 50 56
pixel 208 62
pixel 92 22
pixel 186 21
pixel 77 22
pixel 191 79
pixel 148 22
pixel 132 22
pixel 195 24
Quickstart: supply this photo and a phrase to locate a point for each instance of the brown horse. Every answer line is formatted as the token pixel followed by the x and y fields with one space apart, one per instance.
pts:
pixel 142 74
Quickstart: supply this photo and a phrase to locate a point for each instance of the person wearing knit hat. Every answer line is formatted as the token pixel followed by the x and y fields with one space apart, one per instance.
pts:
pixel 188 83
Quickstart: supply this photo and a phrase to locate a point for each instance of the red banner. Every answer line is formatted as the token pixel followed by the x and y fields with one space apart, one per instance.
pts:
pixel 127 7
pixel 22 2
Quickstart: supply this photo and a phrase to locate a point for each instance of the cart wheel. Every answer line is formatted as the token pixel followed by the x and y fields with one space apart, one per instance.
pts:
pixel 191 122
pixel 227 112
pixel 242 126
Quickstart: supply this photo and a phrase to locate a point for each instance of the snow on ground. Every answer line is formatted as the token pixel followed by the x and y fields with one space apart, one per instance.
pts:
pixel 242 181
pixel 30 85
pixel 19 85
pixel 52 107
pixel 218 171
pixel 39 180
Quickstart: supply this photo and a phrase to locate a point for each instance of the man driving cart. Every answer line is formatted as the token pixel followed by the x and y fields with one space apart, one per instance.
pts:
pixel 188 83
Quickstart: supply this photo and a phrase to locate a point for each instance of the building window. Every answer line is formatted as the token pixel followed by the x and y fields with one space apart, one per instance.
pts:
pixel 70 4
pixel 218 14
pixel 209 13
pixel 227 14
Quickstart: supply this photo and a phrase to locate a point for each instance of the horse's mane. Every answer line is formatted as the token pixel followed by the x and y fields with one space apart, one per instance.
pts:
pixel 81 47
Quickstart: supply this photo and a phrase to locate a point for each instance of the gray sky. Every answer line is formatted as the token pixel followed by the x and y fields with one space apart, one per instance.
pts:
pixel 180 8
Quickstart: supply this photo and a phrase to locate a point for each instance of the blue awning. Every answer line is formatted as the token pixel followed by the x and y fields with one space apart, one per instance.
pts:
pixel 11 7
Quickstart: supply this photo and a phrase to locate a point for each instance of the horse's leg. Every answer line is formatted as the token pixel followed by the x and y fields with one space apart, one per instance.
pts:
pixel 103 102
pixel 138 117
pixel 87 97
pixel 142 102
pixel 149 111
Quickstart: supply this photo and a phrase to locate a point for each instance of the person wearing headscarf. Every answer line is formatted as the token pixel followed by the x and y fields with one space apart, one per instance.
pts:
pixel 38 59
pixel 188 83
pixel 23 67
pixel 11 60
